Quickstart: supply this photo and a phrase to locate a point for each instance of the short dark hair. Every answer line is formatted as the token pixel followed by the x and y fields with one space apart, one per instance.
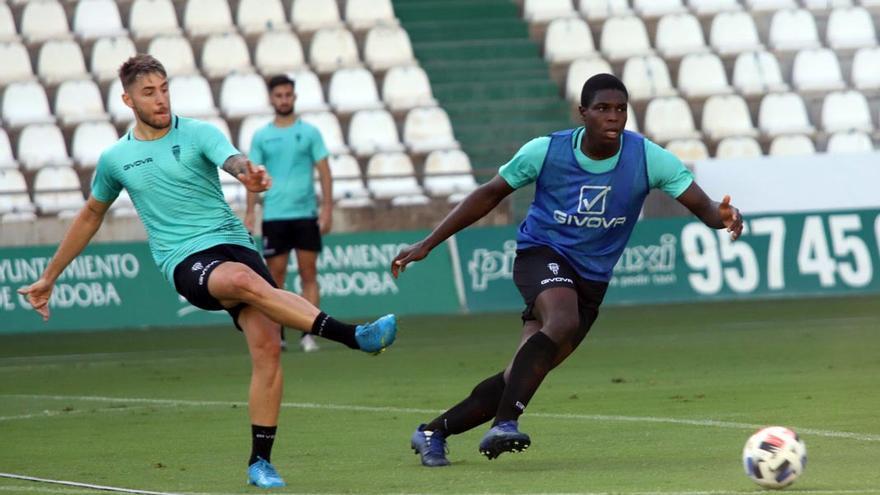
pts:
pixel 138 65
pixel 598 83
pixel 278 81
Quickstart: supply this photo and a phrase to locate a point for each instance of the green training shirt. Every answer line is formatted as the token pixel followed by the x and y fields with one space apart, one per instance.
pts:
pixel 174 184
pixel 665 171
pixel 289 155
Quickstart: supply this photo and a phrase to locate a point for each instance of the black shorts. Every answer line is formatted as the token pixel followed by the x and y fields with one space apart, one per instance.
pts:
pixel 280 236
pixel 540 268
pixel 191 275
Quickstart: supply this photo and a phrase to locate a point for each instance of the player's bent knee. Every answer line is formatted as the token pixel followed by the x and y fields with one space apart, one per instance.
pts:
pixel 246 284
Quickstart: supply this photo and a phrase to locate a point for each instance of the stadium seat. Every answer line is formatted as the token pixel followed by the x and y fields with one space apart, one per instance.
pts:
pixel 191 96
pixel 257 16
pixel 679 35
pixel 328 125
pixel 644 78
pixel 90 139
pixel 244 94
pixel 701 75
pixel 756 73
pixel 60 60
pixel 353 89
pixel 26 103
pixel 118 110
pixel 427 129
pixel 278 52
pixel 579 71
pixel 793 30
pixel 16 63
pixel 44 20
pixel 373 131
pixel 175 53
pixel 348 184
pixel 96 19
pixel 205 17
pixel 783 113
pixel 57 189
pixel 669 118
pixel 816 70
pixel 331 49
pixel 365 14
pixel 824 5
pixel 149 18
pixel 624 37
pixel 108 54
pixel 309 92
pixel 712 7
pixel 7 159
pixel 865 75
pixel 846 111
pixel 794 145
pixel 448 173
pixel 850 142
pixel 599 10
pixel 7 25
pixel 688 150
pixel 312 15
pixel 738 147
pixel 407 87
pixel 79 101
pixel 42 145
pixel 734 32
pixel 13 192
pixel 390 175
pixel 727 116
pixel 850 28
pixel 568 39
pixel 386 47
pixel 658 8
pixel 249 126
pixel 543 11
pixel 769 5
pixel 224 54
pixel 632 122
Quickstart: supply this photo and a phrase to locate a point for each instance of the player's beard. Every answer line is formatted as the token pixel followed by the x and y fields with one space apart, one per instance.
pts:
pixel 152 122
pixel 284 111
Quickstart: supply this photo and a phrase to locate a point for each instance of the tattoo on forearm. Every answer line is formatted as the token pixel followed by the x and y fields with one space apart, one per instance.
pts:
pixel 235 164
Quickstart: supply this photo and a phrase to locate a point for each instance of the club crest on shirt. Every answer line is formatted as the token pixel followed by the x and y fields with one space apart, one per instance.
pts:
pixel 176 151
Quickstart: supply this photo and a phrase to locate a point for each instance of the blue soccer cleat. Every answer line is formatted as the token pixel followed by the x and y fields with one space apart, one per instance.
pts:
pixel 375 337
pixel 263 475
pixel 431 445
pixel 503 437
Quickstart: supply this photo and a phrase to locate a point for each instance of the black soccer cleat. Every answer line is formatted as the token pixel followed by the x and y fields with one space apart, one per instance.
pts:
pixel 504 437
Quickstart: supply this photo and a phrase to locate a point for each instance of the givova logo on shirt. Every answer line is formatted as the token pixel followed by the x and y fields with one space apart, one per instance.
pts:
pixel 590 209
pixel 137 163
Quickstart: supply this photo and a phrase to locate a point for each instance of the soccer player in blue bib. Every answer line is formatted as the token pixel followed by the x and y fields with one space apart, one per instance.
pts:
pixel 590 184
pixel 168 165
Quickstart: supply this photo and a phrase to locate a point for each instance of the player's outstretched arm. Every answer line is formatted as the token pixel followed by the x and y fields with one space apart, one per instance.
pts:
pixel 75 240
pixel 472 208
pixel 254 177
pixel 712 213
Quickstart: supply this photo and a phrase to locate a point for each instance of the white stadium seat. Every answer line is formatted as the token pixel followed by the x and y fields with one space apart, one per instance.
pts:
pixel 428 129
pixel 817 70
pixel 244 94
pixel 658 8
pixel 824 5
pixel 312 15
pixel 727 116
pixel 353 89
pixel 90 139
pixel 348 184
pixel 328 125
pixel 632 123
pixel 386 47
pixel 96 19
pixel 42 145
pixel 850 142
pixel 118 110
pixel 191 96
pixel 390 175
pixel 679 35
pixel 13 192
pixel 309 93
pixel 16 63
pixel 7 24
pixel 701 75
pixel 108 54
pixel 407 87
pixel 175 53
pixel 784 113
pixel 568 39
pixel 644 78
pixel 60 60
pixel 734 32
pixel 224 54
pixel 712 7
pixel 247 129
pixel 582 69
pixel 373 131
pixel 756 73
pixel 793 30
pixel 26 103
pixel 278 52
pixel 149 18
pixel 79 101
pixel 57 189
pixel 448 173
pixel 846 111
pixel 794 145
pixel 769 5
pixel 547 10
pixel 624 37
pixel 669 118
pixel 738 147
pixel 850 28
pixel 364 14
pixel 331 49
pixel 688 150
pixel 257 16
pixel 599 10
pixel 44 20
pixel 7 159
pixel 204 17
pixel 865 75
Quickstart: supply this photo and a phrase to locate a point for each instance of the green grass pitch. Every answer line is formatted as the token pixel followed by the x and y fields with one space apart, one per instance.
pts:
pixel 658 399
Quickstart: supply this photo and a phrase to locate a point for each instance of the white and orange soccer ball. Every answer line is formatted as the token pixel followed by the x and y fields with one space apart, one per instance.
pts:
pixel 774 457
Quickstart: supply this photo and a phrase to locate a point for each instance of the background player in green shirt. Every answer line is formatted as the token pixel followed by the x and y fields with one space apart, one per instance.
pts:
pixel 291 150
pixel 168 165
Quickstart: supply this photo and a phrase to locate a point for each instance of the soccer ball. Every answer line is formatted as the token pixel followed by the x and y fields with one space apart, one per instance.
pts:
pixel 774 457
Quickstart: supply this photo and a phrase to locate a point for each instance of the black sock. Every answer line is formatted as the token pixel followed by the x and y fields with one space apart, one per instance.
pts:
pixel 262 439
pixel 531 364
pixel 329 328
pixel 475 410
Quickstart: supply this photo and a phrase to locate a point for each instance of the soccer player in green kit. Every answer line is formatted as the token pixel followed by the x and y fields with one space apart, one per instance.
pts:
pixel 168 165
pixel 291 150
